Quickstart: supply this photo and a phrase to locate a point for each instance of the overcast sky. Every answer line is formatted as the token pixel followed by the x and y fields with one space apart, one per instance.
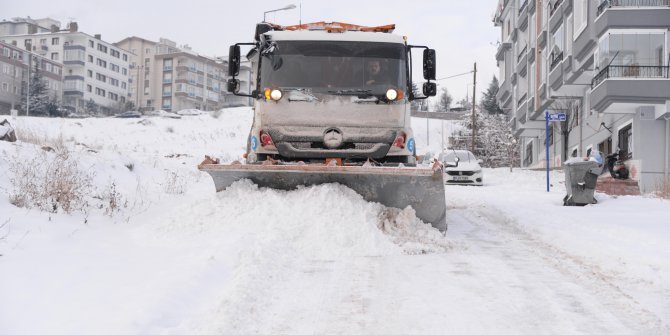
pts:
pixel 461 31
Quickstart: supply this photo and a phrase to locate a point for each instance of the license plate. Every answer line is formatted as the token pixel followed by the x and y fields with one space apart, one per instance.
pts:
pixel 460 178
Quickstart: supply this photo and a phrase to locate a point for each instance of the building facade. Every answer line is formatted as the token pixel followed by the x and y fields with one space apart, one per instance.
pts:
pixel 602 63
pixel 25 26
pixel 16 67
pixel 172 78
pixel 93 70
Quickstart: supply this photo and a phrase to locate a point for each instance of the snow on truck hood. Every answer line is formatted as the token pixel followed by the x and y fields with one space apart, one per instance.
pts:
pixel 320 35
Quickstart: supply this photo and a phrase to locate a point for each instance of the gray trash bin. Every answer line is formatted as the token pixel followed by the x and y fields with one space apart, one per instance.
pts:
pixel 580 182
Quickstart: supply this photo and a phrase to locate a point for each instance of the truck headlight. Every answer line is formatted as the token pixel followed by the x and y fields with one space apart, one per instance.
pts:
pixel 272 94
pixel 275 95
pixel 391 94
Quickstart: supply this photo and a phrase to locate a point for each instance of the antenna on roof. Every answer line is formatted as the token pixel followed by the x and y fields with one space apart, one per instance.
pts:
pixel 300 19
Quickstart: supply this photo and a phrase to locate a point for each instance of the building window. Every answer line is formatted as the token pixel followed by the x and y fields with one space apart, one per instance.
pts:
pixel 55 41
pixel 124 71
pixel 54 56
pixel 626 142
pixel 123 85
pixel 581 16
pixel 630 50
pixel 91 44
pixel 43 41
pixel 100 92
pixel 5 87
pixel 102 48
pixel 90 73
pixel 101 77
pixel 89 88
pixel 115 53
pixel 528 155
pixel 90 59
pixel 125 57
pixel 556 55
pixel 102 63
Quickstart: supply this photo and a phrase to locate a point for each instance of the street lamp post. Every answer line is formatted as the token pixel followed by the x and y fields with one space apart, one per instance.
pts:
pixel 291 6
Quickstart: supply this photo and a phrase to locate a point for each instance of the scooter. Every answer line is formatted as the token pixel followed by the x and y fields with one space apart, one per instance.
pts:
pixel 616 166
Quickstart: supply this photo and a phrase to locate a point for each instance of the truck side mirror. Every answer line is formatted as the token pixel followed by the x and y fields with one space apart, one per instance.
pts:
pixel 233 85
pixel 234 60
pixel 429 89
pixel 429 64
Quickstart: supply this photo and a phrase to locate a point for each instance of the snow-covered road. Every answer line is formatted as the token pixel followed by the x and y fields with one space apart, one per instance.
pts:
pixel 314 260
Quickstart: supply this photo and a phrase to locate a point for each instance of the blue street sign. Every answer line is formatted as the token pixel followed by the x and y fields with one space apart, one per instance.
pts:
pixel 556 117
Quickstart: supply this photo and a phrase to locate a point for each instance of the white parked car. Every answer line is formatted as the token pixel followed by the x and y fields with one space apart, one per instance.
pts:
pixel 468 171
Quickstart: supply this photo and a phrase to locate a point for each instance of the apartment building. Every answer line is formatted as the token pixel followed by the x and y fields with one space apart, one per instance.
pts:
pixel 170 77
pixel 92 68
pixel 605 64
pixel 16 66
pixel 24 26
pixel 140 82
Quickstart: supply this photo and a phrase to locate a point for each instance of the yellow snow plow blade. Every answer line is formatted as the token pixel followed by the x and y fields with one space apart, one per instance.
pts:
pixel 399 187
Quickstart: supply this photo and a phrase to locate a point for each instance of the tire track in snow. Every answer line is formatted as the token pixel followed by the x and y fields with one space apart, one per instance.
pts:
pixel 589 276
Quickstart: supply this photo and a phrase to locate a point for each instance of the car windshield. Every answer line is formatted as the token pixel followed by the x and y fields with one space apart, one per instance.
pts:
pixel 334 67
pixel 463 156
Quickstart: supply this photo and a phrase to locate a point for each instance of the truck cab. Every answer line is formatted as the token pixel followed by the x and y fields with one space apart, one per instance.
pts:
pixel 331 91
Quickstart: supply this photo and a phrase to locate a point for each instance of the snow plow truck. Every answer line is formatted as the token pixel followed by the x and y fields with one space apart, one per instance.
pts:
pixel 332 105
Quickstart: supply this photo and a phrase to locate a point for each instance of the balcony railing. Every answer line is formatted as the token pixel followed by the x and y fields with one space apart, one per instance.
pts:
pixel 631 3
pixel 523 6
pixel 554 7
pixel 521 54
pixel 555 60
pixel 631 71
pixel 167 67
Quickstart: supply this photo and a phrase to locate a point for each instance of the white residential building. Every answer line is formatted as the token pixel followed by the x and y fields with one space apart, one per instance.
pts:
pixel 94 70
pixel 170 77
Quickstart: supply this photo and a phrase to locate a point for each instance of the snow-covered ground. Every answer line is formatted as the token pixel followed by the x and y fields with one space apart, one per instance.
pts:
pixel 178 258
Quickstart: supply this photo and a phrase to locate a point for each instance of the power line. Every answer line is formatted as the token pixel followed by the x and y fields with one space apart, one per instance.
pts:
pixel 456 75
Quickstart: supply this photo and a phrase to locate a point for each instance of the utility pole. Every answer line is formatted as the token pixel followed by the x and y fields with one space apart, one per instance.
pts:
pixel 474 118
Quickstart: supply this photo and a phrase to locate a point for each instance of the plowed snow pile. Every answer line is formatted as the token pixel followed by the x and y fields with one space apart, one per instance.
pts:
pixel 325 221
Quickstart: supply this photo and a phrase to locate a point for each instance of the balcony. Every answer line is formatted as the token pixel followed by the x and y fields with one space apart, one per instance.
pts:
pixel 542 39
pixel 523 16
pixel 167 81
pixel 555 60
pixel 504 95
pixel 167 94
pixel 500 54
pixel 641 14
pixel 555 15
pixel 522 62
pixel 631 72
pixel 167 68
pixel 631 4
pixel 555 7
pixel 632 84
pixel 522 106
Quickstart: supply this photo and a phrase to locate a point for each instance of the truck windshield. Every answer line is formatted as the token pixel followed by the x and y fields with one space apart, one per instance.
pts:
pixel 335 67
